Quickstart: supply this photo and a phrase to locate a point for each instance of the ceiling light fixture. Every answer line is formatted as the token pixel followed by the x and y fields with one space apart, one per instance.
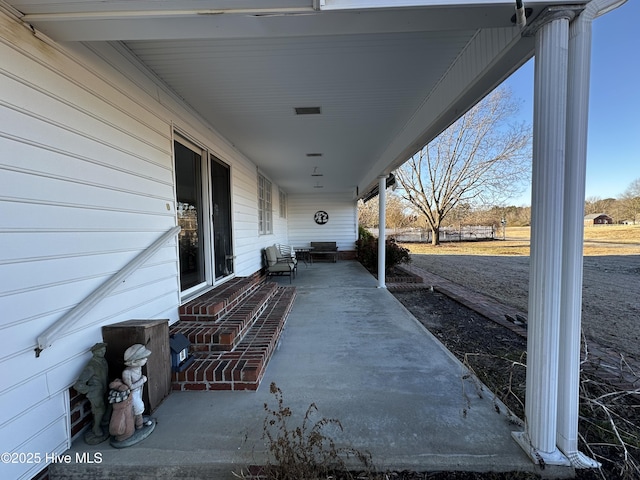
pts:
pixel 316 173
pixel 314 154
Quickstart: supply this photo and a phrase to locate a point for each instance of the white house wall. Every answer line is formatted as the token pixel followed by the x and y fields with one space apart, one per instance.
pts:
pixel 86 184
pixel 341 227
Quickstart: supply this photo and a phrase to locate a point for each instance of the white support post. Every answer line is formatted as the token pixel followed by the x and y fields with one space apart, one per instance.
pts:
pixel 549 133
pixel 573 233
pixel 382 219
pixel 572 240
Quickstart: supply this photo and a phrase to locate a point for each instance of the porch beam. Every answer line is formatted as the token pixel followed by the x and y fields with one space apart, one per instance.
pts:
pixel 252 21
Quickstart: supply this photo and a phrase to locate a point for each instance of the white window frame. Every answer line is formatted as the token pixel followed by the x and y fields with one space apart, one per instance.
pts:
pixel 265 206
pixel 207 155
pixel 207 233
pixel 282 203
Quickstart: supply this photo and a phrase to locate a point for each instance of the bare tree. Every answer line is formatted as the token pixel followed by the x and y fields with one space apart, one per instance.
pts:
pixel 397 212
pixel 482 159
pixel 368 213
pixel 630 200
pixel 596 204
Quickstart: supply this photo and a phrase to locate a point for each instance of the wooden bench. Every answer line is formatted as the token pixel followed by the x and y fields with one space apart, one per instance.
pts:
pixel 325 249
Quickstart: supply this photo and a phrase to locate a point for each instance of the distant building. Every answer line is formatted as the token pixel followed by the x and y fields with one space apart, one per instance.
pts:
pixel 597 219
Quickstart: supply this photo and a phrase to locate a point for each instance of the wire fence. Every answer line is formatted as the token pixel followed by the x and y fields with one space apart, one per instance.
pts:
pixel 464 233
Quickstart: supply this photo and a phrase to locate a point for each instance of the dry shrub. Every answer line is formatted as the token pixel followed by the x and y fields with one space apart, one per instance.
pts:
pixel 503 375
pixel 609 427
pixel 305 451
pixel 609 421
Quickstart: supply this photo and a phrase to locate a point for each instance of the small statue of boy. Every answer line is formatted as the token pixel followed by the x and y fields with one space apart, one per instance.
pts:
pixel 134 358
pixel 92 382
pixel 127 423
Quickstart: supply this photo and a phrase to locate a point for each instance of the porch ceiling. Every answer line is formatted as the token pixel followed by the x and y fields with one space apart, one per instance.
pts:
pixel 377 74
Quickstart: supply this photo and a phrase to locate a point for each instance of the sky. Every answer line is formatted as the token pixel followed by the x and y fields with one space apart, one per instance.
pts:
pixel 613 149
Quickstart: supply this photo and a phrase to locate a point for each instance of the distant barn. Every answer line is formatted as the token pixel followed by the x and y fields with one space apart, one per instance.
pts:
pixel 598 219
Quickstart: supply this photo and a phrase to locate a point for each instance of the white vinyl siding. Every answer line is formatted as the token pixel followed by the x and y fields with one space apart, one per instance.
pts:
pixel 86 178
pixel 341 227
pixel 86 184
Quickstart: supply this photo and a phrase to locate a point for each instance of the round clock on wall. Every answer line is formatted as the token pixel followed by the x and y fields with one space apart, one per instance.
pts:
pixel 321 217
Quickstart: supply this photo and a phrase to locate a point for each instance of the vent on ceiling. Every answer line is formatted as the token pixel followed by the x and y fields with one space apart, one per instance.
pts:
pixel 314 154
pixel 307 110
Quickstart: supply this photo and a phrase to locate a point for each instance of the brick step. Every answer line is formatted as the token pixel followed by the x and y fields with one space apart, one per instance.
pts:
pixel 227 331
pixel 242 368
pixel 213 305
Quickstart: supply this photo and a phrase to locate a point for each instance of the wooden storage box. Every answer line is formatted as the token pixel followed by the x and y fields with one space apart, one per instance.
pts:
pixel 153 334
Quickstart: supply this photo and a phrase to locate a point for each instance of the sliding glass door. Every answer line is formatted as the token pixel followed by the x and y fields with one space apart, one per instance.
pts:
pixel 190 216
pixel 221 205
pixel 203 191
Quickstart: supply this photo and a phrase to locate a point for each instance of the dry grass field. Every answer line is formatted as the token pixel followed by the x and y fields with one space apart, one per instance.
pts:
pixel 603 240
pixel 500 269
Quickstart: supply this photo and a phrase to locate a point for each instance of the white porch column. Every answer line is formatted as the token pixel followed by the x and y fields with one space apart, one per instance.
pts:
pixel 572 240
pixel 573 233
pixel 549 129
pixel 382 219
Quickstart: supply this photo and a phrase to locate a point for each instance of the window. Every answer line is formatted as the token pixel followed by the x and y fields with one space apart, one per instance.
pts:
pixel 283 204
pixel 265 214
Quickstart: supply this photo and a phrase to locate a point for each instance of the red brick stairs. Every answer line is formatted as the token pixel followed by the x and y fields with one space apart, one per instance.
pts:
pixel 233 329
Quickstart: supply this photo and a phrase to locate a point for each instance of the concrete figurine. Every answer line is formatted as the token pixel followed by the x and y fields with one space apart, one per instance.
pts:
pixel 128 426
pixel 122 425
pixel 92 383
pixel 134 358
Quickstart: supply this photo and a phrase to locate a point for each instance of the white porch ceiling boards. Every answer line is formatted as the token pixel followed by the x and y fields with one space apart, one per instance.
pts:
pixel 382 77
pixel 366 87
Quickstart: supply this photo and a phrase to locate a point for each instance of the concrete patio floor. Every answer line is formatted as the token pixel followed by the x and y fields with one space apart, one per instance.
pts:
pixel 356 352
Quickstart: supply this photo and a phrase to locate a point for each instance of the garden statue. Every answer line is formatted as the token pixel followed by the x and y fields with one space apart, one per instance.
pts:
pixel 128 426
pixel 92 382
pixel 134 358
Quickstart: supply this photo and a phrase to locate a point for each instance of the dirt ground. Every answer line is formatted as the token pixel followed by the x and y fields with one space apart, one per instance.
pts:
pixel 497 356
pixel 611 318
pixel 611 290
